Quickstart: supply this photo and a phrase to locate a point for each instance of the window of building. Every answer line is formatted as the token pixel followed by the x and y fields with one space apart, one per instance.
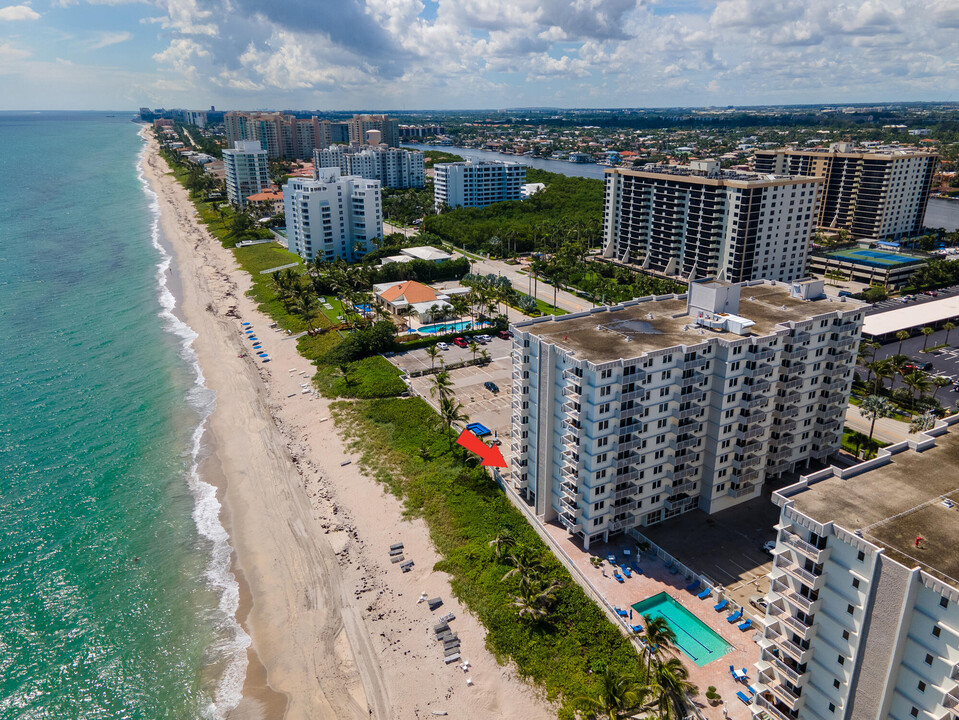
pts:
pixel 936 631
pixel 850 609
pixel 845 634
pixel 605 390
pixel 599 506
pixel 914 712
pixel 597 521
pixel 835 684
pixel 862 556
pixel 841 660
pixel 603 425
pixel 921 686
pixel 605 374
pixel 855 582
pixel 928 659
pixel 943 602
pixel 832 707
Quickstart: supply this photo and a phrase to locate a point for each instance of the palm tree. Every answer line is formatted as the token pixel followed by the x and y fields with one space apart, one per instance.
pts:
pixel 901 336
pixel 660 638
pixel 502 543
pixel 474 348
pixel 883 369
pixel 875 407
pixel 451 412
pixel 527 567
pixel 671 688
pixel 534 602
pixel 917 381
pixel 618 695
pixel 939 382
pixel 442 385
pixel 948 327
pixel 304 304
pixel 433 352
pixel 927 331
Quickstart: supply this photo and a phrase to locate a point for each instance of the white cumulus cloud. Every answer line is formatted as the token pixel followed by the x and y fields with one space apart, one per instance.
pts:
pixel 18 12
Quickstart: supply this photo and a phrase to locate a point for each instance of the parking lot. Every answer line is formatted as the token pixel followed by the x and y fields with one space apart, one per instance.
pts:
pixel 725 547
pixel 492 409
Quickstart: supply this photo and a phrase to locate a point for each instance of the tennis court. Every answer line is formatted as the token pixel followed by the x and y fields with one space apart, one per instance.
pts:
pixel 875 258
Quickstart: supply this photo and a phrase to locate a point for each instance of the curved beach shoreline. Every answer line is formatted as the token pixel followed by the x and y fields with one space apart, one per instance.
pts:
pixel 336 629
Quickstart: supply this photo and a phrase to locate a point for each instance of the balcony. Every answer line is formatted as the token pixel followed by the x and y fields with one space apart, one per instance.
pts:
pixel 694 378
pixel 752 433
pixel 796 354
pixel 683 487
pixel 800 337
pixel 746 462
pixel 840 357
pixel 624 493
pixel 694 396
pixel 574 375
pixel 792 384
pixel 690 426
pixel 570 521
pixel 572 410
pixel 780 455
pixel 759 371
pixel 631 444
pixel 797 367
pixel 693 364
pixel 763 354
pixel 791 674
pixel 833 397
pixel 836 371
pixel 770 708
pixel 786 696
pixel 788 425
pixel 572 391
pixel 790 398
pixel 797 653
pixel 570 496
pixel 804 576
pixel 690 443
pixel 756 402
pixel 803 629
pixel 675 503
pixel 760 386
pixel 633 395
pixel 738 491
pixel 690 412
pixel 951 698
pixel 685 473
pixel 793 598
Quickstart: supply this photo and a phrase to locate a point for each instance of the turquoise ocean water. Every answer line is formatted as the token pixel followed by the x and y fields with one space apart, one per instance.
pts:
pixel 116 599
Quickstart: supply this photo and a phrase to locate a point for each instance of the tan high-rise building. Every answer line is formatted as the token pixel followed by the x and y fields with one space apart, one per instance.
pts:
pixel 878 192
pixel 282 136
pixel 388 127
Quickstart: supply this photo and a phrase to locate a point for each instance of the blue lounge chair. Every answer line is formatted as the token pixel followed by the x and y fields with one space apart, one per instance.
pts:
pixel 621 612
pixel 612 559
pixel 619 578
pixel 705 594
pixel 735 617
pixel 743 675
pixel 627 572
pixel 636 568
pixel 636 628
pixel 745 625
pixel 245 324
pixel 750 688
pixel 733 672
pixel 721 605
pixel 742 696
pixel 693 586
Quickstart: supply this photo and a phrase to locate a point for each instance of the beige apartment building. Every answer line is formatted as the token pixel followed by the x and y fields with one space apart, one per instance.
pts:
pixel 876 192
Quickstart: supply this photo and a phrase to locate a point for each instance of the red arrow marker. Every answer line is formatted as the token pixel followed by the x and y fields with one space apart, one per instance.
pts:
pixel 491 455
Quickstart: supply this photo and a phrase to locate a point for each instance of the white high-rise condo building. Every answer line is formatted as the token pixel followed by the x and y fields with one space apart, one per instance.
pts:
pixel 863 607
pixel 701 221
pixel 628 416
pixel 477 183
pixel 877 192
pixel 393 167
pixel 333 216
pixel 247 171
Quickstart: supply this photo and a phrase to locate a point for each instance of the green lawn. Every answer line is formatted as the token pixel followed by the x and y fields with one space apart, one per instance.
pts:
pixel 402 446
pixel 372 377
pixel 255 258
pixel 337 309
pixel 548 309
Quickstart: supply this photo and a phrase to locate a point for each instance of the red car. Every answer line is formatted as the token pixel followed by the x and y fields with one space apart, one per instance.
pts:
pixel 461 342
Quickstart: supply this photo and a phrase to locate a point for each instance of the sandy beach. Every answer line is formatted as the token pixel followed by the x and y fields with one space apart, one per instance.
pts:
pixel 337 630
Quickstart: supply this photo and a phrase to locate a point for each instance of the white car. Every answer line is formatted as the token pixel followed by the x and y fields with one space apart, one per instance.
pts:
pixel 769 546
pixel 442 346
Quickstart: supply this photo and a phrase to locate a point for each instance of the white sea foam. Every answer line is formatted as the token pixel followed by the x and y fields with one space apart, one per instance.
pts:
pixel 232 649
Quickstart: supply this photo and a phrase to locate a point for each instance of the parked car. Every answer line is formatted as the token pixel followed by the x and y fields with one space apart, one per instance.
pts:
pixel 504 334
pixel 769 546
pixel 925 367
pixel 460 342
pixel 491 386
pixel 483 339
pixel 758 602
pixel 443 346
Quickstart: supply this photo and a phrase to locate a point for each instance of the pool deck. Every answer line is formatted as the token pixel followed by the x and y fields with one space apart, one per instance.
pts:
pixel 744 652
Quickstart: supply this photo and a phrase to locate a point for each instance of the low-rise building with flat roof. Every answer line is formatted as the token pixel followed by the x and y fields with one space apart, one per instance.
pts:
pixel 866 265
pixel 863 614
pixel 628 416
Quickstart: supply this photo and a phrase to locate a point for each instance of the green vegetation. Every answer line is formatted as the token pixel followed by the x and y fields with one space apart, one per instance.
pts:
pixel 402 207
pixel 934 274
pixel 471 524
pixel 434 157
pixel 568 208
pixel 856 443
pixel 371 377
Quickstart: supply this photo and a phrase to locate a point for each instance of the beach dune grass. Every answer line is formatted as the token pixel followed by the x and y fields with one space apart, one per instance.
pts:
pixel 372 377
pixel 402 444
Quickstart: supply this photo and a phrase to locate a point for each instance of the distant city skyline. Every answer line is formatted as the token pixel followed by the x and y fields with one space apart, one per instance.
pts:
pixel 474 54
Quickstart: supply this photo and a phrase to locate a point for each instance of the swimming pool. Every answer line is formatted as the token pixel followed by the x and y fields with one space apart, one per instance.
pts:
pixel 443 328
pixel 695 638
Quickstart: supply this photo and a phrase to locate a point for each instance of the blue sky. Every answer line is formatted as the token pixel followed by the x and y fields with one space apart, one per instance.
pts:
pixel 419 54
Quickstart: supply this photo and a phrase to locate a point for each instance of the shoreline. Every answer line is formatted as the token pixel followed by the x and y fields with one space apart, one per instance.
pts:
pixel 336 630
